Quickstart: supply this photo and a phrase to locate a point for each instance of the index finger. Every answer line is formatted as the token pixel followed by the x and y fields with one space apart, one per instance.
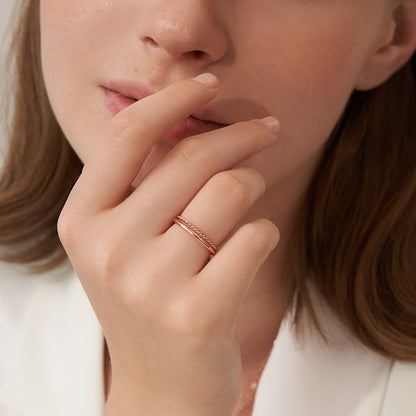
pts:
pixel 109 172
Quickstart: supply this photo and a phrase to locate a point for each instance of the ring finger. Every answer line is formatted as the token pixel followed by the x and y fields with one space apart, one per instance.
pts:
pixel 215 211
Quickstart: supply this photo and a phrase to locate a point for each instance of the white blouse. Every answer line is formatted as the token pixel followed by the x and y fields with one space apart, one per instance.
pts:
pixel 51 360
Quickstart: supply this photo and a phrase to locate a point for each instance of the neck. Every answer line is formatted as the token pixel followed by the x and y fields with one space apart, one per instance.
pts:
pixel 266 302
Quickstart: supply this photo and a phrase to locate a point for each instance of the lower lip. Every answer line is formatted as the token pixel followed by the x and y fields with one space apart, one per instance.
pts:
pixel 185 128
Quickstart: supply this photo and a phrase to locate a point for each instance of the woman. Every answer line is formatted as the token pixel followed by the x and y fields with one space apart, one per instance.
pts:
pixel 202 231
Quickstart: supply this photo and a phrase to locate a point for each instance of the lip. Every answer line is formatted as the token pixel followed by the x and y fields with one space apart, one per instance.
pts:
pixel 119 95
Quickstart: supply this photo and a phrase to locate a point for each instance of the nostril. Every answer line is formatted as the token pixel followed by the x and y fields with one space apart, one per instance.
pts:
pixel 198 54
pixel 149 41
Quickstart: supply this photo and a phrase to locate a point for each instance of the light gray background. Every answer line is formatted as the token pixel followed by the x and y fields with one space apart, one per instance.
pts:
pixel 5 8
pixel 5 11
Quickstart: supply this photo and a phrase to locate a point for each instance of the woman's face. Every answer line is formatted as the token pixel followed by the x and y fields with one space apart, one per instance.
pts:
pixel 298 60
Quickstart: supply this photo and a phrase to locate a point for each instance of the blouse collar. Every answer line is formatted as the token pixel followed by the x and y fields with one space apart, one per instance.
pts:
pixel 57 366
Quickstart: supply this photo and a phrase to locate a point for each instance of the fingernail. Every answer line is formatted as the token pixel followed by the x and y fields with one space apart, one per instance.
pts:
pixel 207 79
pixel 272 123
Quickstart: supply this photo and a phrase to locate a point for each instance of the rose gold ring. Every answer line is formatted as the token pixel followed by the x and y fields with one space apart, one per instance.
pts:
pixel 197 234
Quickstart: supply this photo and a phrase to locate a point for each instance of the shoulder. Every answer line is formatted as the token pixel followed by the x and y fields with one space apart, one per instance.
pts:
pixel 356 380
pixel 19 293
pixel 400 393
pixel 18 288
pixel 51 336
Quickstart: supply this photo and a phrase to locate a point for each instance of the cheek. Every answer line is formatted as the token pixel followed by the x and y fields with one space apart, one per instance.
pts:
pixel 317 81
pixel 70 30
pixel 305 77
pixel 62 36
pixel 314 71
pixel 64 30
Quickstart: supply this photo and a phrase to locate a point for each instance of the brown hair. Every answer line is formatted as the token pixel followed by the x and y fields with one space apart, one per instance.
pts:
pixel 354 241
pixel 40 167
pixel 356 232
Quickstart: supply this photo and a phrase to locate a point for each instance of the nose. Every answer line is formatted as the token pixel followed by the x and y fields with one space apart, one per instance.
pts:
pixel 186 29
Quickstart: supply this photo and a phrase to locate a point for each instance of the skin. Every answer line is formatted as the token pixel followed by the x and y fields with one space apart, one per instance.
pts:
pixel 298 61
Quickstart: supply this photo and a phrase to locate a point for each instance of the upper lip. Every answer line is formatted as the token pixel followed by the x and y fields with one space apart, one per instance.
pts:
pixel 139 90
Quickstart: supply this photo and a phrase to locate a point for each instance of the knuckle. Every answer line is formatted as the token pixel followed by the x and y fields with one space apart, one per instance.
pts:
pixel 261 234
pixel 63 228
pixel 253 175
pixel 67 230
pixel 108 255
pixel 228 185
pixel 120 126
pixel 106 265
pixel 194 151
pixel 139 297
pixel 129 123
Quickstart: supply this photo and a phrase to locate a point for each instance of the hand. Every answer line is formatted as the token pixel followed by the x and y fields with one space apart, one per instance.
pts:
pixel 168 313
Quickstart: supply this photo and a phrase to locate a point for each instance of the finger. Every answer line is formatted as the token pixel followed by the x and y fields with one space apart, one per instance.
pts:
pixel 215 211
pixel 109 172
pixel 188 166
pixel 227 277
